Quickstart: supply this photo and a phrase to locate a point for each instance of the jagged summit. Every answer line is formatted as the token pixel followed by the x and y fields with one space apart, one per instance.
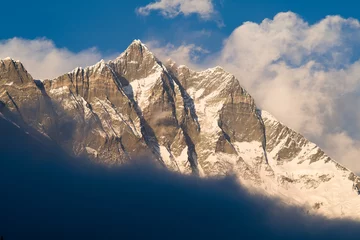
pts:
pixel 10 63
pixel 13 72
pixel 192 122
pixel 136 46
pixel 9 59
pixel 133 54
pixel 137 54
pixel 137 42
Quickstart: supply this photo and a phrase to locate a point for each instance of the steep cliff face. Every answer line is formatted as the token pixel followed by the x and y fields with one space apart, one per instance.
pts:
pixel 23 101
pixel 202 123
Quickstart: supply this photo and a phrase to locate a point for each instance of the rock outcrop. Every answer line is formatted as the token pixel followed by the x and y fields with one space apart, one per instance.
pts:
pixel 201 123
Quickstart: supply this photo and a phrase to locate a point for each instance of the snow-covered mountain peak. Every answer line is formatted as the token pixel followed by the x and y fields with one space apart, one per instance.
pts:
pixel 13 72
pixel 199 122
pixel 10 60
pixel 137 42
pixel 136 48
pixel 7 59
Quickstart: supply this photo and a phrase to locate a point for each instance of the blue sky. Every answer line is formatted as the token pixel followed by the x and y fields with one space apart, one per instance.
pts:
pixel 111 26
pixel 300 60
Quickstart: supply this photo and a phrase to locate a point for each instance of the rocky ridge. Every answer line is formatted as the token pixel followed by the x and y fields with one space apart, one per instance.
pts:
pixel 201 123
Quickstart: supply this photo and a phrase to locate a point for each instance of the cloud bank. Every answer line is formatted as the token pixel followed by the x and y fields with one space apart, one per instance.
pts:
pixel 43 59
pixel 47 195
pixel 306 75
pixel 172 8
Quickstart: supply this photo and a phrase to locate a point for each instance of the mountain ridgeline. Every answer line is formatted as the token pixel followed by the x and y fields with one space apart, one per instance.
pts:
pixel 201 123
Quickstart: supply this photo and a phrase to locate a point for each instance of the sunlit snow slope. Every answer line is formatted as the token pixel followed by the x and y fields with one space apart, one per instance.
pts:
pixel 201 123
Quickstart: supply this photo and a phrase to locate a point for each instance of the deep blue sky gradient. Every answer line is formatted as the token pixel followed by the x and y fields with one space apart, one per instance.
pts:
pixel 112 25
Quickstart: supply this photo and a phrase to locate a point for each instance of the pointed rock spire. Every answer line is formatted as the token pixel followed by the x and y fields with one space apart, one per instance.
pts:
pixel 138 48
pixel 136 62
pixel 12 71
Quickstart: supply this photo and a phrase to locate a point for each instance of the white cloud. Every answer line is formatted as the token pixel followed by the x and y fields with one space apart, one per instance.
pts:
pixel 308 76
pixel 186 54
pixel 295 70
pixel 341 146
pixel 43 59
pixel 172 8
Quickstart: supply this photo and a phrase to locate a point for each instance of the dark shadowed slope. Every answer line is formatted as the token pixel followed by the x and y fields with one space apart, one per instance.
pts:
pixel 46 196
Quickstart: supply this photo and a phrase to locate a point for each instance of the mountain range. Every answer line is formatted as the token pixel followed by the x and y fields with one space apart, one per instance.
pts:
pixel 192 122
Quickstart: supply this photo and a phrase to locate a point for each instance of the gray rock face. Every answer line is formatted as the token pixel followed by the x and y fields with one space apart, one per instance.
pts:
pixel 202 123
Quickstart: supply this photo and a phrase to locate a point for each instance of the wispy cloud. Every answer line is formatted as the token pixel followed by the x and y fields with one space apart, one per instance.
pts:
pixel 186 54
pixel 172 8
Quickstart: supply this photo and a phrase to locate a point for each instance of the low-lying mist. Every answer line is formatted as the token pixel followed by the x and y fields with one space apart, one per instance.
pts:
pixel 45 194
